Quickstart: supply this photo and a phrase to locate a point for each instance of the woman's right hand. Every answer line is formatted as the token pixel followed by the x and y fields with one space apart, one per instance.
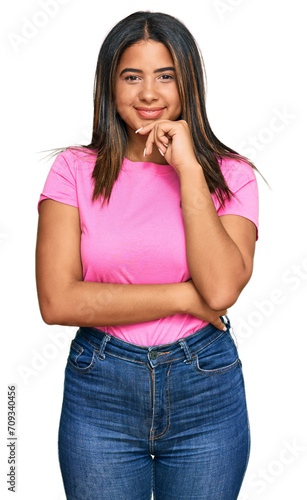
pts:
pixel 196 306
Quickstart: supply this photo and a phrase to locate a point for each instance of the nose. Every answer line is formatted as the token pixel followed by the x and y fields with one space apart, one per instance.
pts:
pixel 148 92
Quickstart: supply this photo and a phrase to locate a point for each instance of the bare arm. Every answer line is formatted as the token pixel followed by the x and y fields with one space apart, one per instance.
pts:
pixel 65 299
pixel 220 265
pixel 220 250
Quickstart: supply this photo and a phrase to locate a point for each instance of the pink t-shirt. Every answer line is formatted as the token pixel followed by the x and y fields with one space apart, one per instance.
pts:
pixel 139 237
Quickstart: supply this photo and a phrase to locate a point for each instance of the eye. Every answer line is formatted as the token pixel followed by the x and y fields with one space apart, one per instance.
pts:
pixel 166 77
pixel 131 78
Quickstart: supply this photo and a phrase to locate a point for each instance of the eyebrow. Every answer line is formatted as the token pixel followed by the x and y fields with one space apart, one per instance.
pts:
pixel 133 70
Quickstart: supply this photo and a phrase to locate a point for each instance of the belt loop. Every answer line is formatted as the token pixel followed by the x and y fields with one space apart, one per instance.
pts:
pixel 101 354
pixel 186 350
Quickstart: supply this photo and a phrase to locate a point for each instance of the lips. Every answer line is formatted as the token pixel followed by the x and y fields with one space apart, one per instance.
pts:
pixel 149 113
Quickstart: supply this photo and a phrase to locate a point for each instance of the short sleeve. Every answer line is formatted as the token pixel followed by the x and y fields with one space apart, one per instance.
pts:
pixel 241 179
pixel 60 184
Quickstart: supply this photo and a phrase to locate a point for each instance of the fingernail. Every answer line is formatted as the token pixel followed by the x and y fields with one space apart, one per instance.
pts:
pixel 145 152
pixel 224 328
pixel 161 152
pixel 138 130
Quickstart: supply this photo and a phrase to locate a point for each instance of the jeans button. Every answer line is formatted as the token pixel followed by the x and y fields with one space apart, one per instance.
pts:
pixel 153 354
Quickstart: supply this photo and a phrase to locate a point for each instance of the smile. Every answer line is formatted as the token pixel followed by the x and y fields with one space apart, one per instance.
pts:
pixel 149 113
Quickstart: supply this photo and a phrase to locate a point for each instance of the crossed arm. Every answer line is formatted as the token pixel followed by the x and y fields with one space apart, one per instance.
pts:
pixel 220 253
pixel 64 298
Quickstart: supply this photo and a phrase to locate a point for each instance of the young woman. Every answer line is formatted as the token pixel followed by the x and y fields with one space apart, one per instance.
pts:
pixel 146 236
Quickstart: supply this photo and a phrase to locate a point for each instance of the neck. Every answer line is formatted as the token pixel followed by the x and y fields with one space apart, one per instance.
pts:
pixel 135 151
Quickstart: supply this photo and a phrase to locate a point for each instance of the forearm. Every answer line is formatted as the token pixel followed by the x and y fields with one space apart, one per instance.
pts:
pixel 215 262
pixel 104 304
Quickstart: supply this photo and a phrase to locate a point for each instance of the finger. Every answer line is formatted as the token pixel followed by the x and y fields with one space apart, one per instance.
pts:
pixel 218 323
pixel 156 137
pixel 166 127
pixel 145 130
pixel 149 143
pixel 162 141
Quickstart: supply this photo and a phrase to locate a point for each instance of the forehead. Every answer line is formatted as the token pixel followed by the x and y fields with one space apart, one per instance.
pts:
pixel 147 53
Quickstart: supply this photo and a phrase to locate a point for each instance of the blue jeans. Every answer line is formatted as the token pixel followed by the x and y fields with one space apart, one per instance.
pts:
pixel 169 420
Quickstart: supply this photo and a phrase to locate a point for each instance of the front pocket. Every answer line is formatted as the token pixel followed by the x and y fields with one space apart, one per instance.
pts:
pixel 215 371
pixel 219 357
pixel 82 356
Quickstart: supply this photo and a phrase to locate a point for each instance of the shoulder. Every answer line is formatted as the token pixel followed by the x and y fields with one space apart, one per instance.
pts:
pixel 237 172
pixel 73 159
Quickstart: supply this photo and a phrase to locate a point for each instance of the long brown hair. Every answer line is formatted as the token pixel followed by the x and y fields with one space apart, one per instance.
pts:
pixel 109 135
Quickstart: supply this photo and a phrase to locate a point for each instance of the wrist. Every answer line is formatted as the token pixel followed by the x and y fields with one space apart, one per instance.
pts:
pixel 183 299
pixel 189 168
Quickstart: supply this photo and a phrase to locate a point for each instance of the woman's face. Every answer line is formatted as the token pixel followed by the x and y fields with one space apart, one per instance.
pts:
pixel 146 88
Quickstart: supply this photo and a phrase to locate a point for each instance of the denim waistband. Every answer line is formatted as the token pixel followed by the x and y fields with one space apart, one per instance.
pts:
pixel 182 349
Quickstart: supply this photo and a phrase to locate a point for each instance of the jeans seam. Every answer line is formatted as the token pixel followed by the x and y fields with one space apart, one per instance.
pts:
pixel 125 359
pixel 84 370
pixel 214 371
pixel 210 342
pixel 75 346
pixel 160 362
pixel 248 448
pixel 151 409
pixel 153 489
pixel 168 408
pixel 151 432
pixel 89 342
pixel 247 455
pixel 248 423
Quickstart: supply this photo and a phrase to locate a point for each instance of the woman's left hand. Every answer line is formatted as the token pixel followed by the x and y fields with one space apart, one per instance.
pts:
pixel 173 140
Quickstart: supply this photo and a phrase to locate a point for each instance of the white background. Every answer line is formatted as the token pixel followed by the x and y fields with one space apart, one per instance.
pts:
pixel 255 58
